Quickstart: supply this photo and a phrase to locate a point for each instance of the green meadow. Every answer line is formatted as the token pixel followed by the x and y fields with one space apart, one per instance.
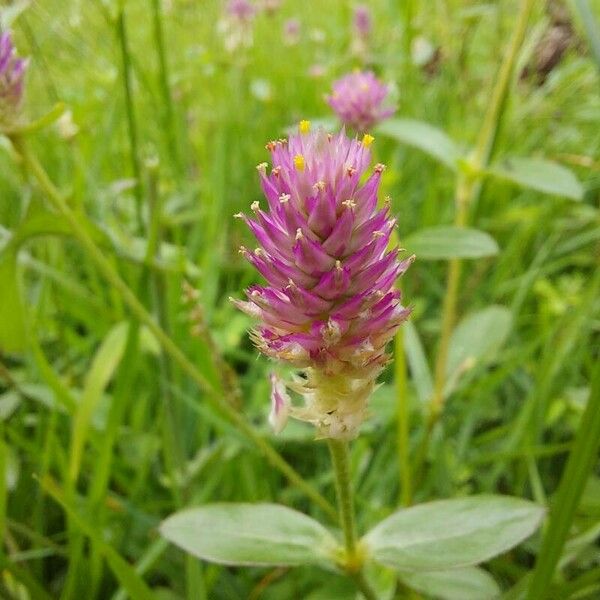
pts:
pixel 130 388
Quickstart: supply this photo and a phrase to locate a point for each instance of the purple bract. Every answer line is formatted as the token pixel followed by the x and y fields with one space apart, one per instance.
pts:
pixel 329 306
pixel 359 100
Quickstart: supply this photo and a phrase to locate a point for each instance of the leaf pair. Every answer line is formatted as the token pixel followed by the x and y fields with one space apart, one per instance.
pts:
pixel 437 536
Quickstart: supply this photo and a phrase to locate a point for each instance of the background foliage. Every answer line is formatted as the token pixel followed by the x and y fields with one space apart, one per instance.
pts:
pixel 103 435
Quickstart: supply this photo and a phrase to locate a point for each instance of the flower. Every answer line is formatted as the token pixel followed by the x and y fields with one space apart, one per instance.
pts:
pixel 236 25
pixel 12 79
pixel 361 21
pixel 329 306
pixel 358 100
pixel 242 10
pixel 291 32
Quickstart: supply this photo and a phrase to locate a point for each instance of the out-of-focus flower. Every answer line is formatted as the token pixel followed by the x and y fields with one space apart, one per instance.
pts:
pixel 66 126
pixel 236 25
pixel 362 21
pixel 362 25
pixel 317 71
pixel 291 32
pixel 358 99
pixel 12 81
pixel 242 10
pixel 270 7
pixel 329 306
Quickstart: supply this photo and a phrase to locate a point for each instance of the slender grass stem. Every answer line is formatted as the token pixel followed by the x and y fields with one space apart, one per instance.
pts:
pixel 403 412
pixel 169 346
pixel 168 112
pixel 581 460
pixel 174 451
pixel 340 459
pixel 468 188
pixel 131 120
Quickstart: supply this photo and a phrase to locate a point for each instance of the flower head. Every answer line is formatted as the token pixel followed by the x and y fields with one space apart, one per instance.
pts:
pixel 359 100
pixel 362 21
pixel 291 32
pixel 12 78
pixel 329 306
pixel 242 10
pixel 236 25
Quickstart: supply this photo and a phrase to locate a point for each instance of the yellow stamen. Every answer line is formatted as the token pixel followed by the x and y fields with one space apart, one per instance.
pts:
pixel 299 162
pixel 304 126
pixel 367 140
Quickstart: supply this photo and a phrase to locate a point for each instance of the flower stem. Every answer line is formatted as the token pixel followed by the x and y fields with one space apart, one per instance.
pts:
pixel 80 232
pixel 468 187
pixel 131 120
pixel 340 459
pixel 403 417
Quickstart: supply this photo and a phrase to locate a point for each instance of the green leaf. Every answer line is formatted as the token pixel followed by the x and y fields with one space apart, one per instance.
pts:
pixel 447 534
pixel 423 136
pixel 539 174
pixel 101 371
pixel 50 117
pixel 39 221
pixel 447 241
pixel 470 583
pixel 419 368
pixel 12 323
pixel 476 339
pixel 249 534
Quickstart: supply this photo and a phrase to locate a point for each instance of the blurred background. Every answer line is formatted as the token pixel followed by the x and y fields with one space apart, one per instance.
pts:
pixel 168 106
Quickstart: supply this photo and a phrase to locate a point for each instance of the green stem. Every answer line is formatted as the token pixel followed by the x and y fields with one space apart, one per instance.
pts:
pixel 402 409
pixel 581 461
pixel 131 122
pixel 340 459
pixel 173 447
pixel 163 70
pixel 169 346
pixel 467 192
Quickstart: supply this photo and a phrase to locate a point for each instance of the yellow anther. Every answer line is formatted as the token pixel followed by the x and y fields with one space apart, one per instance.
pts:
pixel 367 140
pixel 299 162
pixel 304 126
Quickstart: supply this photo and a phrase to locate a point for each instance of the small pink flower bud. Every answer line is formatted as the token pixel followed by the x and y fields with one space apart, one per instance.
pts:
pixel 358 99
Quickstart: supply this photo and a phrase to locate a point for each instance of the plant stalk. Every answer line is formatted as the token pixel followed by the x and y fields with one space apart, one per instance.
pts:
pixel 468 188
pixel 340 459
pixel 131 121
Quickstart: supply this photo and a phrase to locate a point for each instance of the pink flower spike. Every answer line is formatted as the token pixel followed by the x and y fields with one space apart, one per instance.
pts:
pixel 329 306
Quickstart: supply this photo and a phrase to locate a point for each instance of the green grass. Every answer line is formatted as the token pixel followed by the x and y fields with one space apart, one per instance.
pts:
pixel 106 428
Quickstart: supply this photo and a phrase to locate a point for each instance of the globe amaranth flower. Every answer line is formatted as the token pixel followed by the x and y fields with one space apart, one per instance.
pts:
pixel 242 10
pixel 359 100
pixel 362 25
pixel 236 25
pixel 291 32
pixel 12 81
pixel 361 21
pixel 330 305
